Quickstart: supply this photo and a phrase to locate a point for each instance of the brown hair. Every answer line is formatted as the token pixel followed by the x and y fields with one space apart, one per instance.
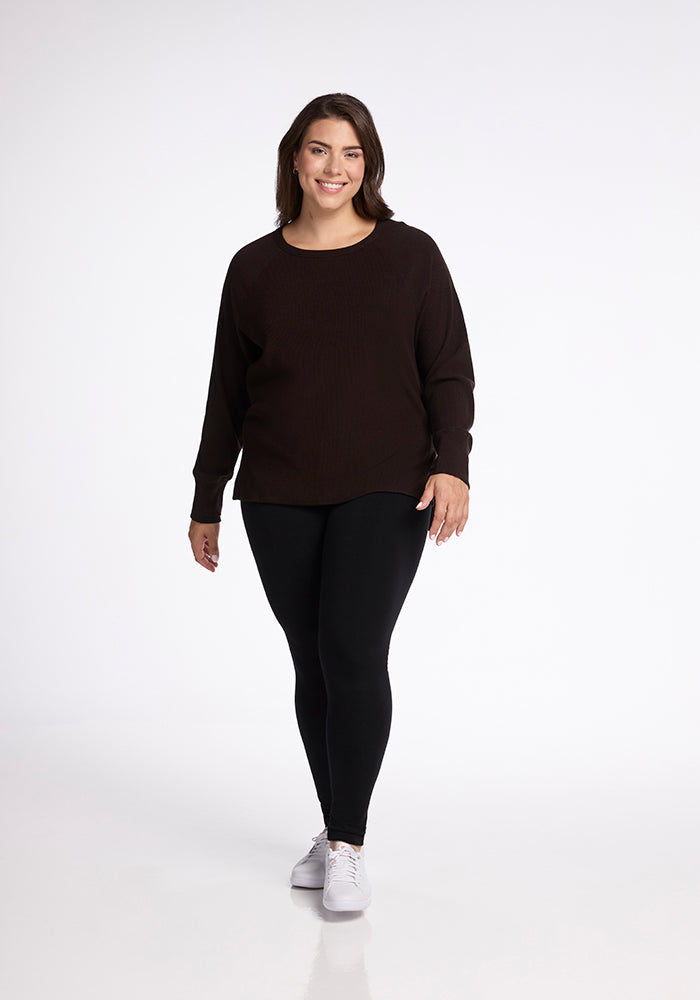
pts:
pixel 368 201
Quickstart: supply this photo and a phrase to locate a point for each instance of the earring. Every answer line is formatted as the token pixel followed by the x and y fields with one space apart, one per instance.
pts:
pixel 295 171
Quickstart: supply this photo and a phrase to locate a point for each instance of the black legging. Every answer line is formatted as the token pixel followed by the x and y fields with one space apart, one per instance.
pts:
pixel 336 577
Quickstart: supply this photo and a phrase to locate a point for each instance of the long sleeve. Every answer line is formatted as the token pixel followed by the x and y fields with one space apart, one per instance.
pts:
pixel 444 360
pixel 227 402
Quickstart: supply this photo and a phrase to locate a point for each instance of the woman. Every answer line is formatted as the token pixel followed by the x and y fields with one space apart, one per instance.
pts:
pixel 342 369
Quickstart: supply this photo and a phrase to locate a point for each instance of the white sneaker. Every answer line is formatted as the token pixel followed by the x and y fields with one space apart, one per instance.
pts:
pixel 310 871
pixel 346 886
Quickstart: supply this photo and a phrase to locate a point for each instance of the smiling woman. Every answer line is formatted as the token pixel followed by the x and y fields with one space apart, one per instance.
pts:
pixel 332 139
pixel 330 169
pixel 342 371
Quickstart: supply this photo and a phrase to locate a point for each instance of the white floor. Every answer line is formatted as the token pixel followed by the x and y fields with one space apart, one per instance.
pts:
pixel 126 873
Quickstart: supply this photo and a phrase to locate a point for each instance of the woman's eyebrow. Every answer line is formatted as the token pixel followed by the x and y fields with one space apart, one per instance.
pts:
pixel 315 142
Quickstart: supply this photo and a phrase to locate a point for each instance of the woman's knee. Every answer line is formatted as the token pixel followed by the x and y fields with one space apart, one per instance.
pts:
pixel 350 662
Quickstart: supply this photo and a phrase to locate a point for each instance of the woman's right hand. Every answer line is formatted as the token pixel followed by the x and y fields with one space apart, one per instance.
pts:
pixel 204 539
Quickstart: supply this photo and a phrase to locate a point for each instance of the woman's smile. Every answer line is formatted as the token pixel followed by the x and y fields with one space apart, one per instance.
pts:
pixel 330 186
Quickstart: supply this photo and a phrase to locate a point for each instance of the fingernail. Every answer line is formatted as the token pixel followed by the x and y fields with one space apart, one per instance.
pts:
pixel 215 559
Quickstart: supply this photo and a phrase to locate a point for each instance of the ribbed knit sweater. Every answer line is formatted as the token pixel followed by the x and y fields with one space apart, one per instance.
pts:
pixel 336 373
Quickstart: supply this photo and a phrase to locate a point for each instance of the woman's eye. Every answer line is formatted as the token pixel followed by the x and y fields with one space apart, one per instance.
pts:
pixel 317 149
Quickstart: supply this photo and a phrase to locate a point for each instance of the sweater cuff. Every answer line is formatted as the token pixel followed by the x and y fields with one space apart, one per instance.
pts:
pixel 208 501
pixel 453 447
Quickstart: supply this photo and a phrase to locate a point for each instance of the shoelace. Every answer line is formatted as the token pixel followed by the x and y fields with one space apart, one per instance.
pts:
pixel 344 864
pixel 319 844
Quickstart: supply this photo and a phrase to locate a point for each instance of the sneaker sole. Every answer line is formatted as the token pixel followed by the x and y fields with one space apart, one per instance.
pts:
pixel 347 905
pixel 307 883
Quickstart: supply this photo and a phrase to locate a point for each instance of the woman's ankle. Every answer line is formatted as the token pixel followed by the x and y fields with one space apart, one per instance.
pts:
pixel 333 844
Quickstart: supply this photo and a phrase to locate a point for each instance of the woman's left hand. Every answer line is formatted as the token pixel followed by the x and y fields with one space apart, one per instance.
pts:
pixel 451 505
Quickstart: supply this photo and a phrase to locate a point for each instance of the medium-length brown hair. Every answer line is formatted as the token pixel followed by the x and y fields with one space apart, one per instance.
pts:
pixel 368 201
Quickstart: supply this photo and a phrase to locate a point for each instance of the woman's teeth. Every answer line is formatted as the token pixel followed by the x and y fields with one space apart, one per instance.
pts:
pixel 328 186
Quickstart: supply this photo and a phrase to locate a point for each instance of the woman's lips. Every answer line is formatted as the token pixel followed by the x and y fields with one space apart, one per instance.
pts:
pixel 332 188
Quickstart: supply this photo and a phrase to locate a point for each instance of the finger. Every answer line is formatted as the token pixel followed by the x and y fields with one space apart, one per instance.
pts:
pixel 447 529
pixel 211 550
pixel 438 517
pixel 204 560
pixel 204 557
pixel 463 523
pixel 211 555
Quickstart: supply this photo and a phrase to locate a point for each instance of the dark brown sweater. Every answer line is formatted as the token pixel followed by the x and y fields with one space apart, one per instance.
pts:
pixel 337 372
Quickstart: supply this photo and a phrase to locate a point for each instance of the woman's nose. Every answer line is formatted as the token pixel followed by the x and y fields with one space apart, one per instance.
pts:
pixel 332 167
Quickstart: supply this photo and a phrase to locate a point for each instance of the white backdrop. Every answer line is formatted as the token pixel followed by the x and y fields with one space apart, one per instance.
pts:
pixel 552 151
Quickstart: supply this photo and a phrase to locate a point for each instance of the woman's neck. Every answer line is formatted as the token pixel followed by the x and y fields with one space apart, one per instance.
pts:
pixel 327 232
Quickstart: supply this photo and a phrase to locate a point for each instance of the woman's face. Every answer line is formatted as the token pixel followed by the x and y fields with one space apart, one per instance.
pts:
pixel 331 164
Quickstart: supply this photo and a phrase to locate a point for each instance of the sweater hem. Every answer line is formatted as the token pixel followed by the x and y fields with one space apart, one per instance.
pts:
pixel 326 499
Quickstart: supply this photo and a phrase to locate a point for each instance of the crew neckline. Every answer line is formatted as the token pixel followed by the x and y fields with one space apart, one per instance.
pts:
pixel 333 251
